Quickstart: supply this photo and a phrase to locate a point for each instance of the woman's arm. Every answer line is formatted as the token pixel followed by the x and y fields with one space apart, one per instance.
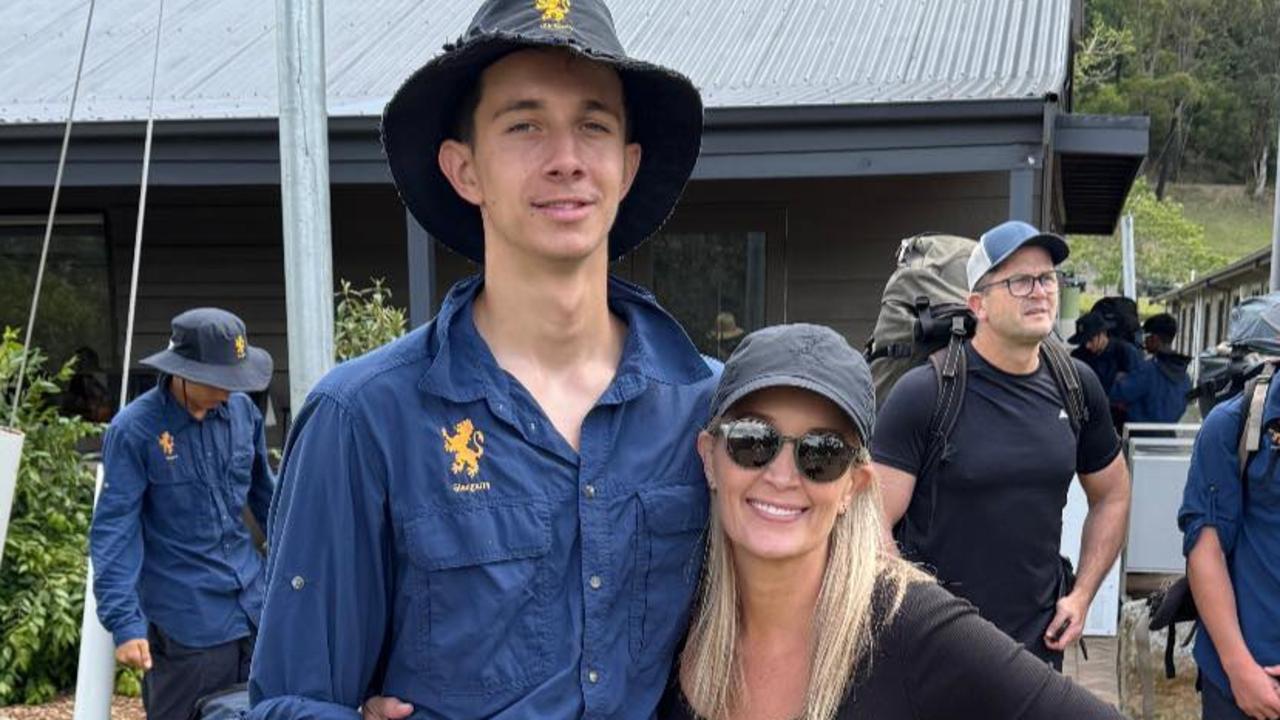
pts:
pixel 959 665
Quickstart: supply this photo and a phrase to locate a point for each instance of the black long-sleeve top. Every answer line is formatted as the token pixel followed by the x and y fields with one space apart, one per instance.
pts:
pixel 938 659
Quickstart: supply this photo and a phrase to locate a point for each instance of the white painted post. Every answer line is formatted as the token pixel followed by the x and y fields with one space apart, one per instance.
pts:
pixel 1130 273
pixel 304 194
pixel 10 456
pixel 96 674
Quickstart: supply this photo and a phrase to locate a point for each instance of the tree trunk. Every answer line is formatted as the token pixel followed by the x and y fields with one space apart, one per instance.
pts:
pixel 1168 151
pixel 1258 173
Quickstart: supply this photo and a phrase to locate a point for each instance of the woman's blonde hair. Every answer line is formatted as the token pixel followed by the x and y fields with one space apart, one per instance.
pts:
pixel 844 631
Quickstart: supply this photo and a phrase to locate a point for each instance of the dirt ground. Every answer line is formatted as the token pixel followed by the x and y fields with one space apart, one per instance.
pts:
pixel 122 708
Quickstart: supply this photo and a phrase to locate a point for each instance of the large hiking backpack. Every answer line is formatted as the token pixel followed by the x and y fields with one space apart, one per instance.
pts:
pixel 1253 336
pixel 927 291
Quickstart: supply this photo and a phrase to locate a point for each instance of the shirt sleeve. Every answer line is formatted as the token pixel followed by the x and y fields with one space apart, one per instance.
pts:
pixel 1212 496
pixel 962 666
pixel 1098 443
pixel 115 537
pixel 902 428
pixel 329 573
pixel 262 482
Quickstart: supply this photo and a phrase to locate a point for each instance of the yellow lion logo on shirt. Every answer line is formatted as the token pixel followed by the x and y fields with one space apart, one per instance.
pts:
pixel 467 447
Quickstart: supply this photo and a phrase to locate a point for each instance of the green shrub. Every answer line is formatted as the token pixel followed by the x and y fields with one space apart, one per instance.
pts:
pixel 43 572
pixel 365 319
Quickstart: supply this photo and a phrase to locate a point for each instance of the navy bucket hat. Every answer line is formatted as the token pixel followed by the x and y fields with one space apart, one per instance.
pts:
pixel 664 110
pixel 210 346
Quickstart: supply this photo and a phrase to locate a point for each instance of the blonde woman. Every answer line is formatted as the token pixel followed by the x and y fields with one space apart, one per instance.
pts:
pixel 801 614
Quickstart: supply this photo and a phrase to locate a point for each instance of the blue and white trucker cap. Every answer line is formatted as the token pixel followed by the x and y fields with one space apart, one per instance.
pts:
pixel 997 244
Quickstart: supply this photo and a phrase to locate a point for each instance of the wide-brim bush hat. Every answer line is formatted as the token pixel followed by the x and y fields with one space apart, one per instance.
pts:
pixel 664 110
pixel 210 346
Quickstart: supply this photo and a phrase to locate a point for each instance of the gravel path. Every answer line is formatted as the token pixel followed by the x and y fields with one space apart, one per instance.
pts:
pixel 122 708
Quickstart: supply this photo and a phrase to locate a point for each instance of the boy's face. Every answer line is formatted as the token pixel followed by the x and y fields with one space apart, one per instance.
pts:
pixel 548 163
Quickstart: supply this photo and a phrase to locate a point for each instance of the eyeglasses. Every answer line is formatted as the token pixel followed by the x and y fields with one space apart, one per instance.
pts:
pixel 821 455
pixel 1024 285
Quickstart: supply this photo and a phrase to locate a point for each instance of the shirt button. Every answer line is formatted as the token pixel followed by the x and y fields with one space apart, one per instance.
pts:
pixel 297 582
pixel 589 491
pixel 595 582
pixel 593 677
pixel 533 426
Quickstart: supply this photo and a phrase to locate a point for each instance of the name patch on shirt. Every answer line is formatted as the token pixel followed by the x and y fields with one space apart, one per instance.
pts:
pixel 466 445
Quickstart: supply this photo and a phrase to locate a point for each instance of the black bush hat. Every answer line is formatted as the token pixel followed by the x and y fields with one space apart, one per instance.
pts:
pixel 1161 325
pixel 663 107
pixel 1087 326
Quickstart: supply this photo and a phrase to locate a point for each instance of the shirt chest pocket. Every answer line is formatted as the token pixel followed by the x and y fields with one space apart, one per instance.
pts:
pixel 668 551
pixel 482 605
pixel 180 504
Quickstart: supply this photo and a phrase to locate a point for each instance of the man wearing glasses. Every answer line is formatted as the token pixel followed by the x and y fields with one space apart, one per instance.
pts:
pixel 989 512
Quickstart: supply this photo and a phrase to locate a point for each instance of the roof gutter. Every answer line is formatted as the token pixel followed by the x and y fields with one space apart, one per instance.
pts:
pixel 733 117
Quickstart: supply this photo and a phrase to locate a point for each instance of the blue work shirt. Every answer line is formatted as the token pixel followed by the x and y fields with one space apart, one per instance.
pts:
pixel 436 539
pixel 1249 531
pixel 168 542
pixel 1155 391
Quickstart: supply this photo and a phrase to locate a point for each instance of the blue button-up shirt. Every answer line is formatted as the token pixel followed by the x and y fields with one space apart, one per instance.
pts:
pixel 435 538
pixel 168 542
pixel 1249 529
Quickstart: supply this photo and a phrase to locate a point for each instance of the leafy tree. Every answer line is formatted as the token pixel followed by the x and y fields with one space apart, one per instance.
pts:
pixel 365 319
pixel 1168 247
pixel 42 578
pixel 1206 72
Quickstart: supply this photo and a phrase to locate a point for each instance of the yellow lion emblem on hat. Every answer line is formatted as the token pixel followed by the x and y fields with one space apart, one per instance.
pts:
pixel 467 447
pixel 553 10
pixel 241 347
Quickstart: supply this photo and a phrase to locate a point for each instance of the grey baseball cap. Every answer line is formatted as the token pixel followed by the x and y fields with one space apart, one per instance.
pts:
pixel 810 357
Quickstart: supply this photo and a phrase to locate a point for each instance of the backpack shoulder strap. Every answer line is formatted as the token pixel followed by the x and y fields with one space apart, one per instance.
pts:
pixel 949 369
pixel 1067 377
pixel 1254 400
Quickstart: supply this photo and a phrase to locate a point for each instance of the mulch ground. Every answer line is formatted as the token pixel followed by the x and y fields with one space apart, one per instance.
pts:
pixel 122 708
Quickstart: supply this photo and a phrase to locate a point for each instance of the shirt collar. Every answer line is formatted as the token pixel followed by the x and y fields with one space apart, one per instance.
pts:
pixel 177 417
pixel 657 348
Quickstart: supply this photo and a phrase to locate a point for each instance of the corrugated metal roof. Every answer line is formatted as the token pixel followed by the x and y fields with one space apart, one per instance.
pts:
pixel 218 56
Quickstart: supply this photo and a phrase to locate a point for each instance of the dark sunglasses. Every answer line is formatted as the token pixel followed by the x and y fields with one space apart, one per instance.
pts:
pixel 821 455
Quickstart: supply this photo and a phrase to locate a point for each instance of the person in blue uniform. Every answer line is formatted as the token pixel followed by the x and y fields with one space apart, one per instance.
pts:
pixel 501 513
pixel 1107 356
pixel 1231 537
pixel 1155 391
pixel 177 577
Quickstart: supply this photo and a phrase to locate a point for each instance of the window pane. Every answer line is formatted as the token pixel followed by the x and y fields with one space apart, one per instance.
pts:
pixel 713 283
pixel 75 301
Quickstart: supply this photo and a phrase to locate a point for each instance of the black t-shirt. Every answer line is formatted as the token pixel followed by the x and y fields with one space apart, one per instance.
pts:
pixel 938 659
pixel 993 535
